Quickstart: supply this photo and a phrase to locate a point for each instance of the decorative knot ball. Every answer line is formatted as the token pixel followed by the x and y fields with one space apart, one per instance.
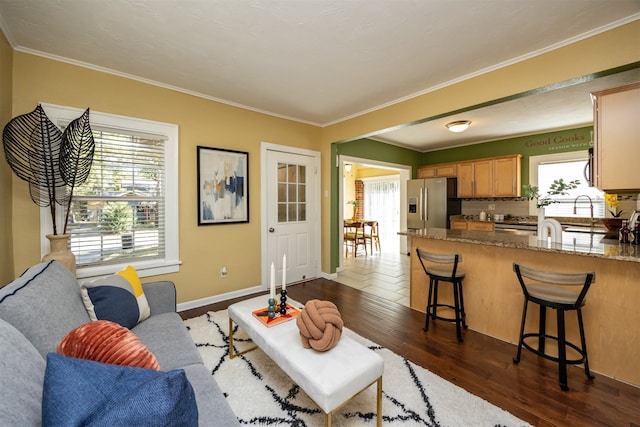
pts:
pixel 320 325
pixel 107 342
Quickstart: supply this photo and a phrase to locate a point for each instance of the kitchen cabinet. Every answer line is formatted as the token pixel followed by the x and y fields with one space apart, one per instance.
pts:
pixel 507 176
pixel 458 225
pixel 465 180
pixel 480 226
pixel 617 138
pixel 493 177
pixel 437 171
pixel 483 178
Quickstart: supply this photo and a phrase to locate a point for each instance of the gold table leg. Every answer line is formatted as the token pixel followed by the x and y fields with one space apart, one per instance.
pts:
pixel 379 403
pixel 231 353
pixel 327 416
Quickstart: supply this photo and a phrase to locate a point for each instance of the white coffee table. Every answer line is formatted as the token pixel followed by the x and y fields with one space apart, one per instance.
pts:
pixel 329 378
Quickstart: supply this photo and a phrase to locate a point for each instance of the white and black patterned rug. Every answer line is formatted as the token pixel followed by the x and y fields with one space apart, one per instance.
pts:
pixel 261 394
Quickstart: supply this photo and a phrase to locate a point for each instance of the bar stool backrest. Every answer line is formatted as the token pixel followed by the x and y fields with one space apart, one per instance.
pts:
pixel 440 259
pixel 550 278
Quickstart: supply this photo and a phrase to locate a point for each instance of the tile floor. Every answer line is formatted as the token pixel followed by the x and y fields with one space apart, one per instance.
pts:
pixel 384 274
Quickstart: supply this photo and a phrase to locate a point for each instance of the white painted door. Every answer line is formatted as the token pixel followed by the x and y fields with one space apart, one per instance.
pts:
pixel 292 215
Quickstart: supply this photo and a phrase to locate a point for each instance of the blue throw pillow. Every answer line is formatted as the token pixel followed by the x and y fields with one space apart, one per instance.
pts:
pixel 80 392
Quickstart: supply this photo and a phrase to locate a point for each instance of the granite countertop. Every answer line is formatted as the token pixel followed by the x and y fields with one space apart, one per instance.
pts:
pixel 584 244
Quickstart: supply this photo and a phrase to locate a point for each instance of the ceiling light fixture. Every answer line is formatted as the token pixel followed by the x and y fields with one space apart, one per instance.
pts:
pixel 347 167
pixel 459 126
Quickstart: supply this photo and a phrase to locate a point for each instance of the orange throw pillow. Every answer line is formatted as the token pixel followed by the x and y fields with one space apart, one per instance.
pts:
pixel 107 342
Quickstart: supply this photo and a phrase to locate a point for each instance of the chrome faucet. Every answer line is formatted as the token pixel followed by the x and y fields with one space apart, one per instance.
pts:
pixel 590 205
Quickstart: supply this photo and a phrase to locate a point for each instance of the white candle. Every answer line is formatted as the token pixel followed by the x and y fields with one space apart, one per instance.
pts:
pixel 284 272
pixel 272 285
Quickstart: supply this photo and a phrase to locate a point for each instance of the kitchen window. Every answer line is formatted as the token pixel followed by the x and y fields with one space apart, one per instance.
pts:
pixel 126 212
pixel 568 166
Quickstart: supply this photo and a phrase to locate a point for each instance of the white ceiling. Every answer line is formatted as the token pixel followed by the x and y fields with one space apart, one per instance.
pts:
pixel 314 61
pixel 563 108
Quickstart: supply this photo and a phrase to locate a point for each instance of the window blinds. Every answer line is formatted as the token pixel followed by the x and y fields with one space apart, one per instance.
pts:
pixel 118 214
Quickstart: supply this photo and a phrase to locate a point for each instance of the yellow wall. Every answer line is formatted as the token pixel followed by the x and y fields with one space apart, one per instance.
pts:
pixel 203 250
pixel 6 242
pixel 204 122
pixel 366 172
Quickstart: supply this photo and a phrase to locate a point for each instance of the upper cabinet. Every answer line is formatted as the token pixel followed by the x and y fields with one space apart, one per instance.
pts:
pixel 506 176
pixel 437 171
pixel 617 138
pixel 495 177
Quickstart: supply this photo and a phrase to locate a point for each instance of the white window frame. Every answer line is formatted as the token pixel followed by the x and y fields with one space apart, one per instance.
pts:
pixel 61 115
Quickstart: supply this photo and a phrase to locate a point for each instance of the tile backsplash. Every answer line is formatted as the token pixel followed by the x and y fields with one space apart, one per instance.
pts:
pixel 519 206
pixel 516 207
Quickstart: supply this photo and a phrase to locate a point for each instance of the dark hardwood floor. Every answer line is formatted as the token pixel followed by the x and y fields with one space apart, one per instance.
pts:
pixel 482 365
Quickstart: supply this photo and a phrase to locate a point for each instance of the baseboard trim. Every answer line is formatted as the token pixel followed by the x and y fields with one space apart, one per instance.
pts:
pixel 189 305
pixel 217 298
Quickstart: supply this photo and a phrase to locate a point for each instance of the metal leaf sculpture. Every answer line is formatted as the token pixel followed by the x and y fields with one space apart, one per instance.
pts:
pixel 76 156
pixel 36 150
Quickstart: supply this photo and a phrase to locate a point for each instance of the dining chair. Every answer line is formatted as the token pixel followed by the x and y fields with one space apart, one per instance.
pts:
pixel 354 237
pixel 371 235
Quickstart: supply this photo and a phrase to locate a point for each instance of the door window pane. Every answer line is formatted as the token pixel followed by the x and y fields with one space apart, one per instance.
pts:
pixel 292 190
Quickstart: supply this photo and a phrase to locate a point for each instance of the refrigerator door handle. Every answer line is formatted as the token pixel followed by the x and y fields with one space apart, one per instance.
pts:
pixel 420 206
pixel 426 204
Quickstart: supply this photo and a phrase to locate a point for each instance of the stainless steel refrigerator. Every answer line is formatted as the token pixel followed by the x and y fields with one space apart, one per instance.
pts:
pixel 431 202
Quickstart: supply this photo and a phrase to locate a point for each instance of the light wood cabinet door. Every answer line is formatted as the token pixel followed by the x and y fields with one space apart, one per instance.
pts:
pixel 480 226
pixel 458 225
pixel 437 171
pixel 465 180
pixel 446 170
pixel 427 172
pixel 483 178
pixel 617 142
pixel 506 172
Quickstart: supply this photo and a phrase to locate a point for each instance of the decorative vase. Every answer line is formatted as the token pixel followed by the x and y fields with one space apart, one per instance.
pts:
pixel 60 252
pixel 612 224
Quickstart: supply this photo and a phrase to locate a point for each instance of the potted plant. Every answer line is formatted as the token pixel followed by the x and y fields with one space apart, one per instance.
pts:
pixel 615 222
pixel 557 188
pixel 54 163
pixel 355 204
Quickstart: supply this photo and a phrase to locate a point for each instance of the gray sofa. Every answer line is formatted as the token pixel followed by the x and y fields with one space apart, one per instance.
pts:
pixel 42 305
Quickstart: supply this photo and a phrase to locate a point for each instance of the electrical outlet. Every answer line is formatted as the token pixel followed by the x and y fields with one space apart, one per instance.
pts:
pixel 492 207
pixel 223 271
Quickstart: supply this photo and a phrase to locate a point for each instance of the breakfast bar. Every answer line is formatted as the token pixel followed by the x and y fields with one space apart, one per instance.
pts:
pixel 493 297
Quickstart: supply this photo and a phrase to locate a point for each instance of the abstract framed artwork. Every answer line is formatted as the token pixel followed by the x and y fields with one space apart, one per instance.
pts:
pixel 223 186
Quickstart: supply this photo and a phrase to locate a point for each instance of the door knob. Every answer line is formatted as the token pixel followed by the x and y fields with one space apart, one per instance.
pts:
pixel 271 229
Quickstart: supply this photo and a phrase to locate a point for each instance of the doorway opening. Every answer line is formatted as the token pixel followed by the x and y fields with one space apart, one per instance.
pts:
pixel 384 273
pixel 384 199
pixel 380 189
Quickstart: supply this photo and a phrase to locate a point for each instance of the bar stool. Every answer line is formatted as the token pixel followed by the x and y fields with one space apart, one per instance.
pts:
pixel 550 290
pixel 444 273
